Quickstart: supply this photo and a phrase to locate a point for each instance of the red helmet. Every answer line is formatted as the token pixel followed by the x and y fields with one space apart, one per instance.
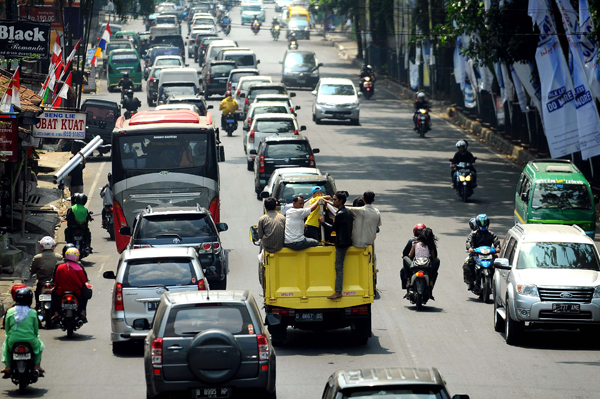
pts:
pixel 15 288
pixel 228 93
pixel 418 229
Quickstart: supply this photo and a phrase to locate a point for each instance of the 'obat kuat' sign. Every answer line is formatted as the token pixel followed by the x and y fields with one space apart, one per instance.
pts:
pixel 20 39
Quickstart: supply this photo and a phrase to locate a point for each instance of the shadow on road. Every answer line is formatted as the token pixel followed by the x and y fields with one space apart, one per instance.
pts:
pixel 337 342
pixel 560 340
pixel 76 337
pixel 30 392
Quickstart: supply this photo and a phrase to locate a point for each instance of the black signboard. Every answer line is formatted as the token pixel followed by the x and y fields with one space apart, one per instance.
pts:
pixel 20 39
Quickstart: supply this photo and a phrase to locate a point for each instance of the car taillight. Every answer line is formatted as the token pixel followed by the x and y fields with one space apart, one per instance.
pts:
pixel 215 209
pixel 229 85
pixel 207 77
pixel 249 121
pixel 119 297
pixel 263 347
pixel 296 132
pixel 261 164
pixel 157 351
pixel 141 246
pixel 251 136
pixel 201 285
pixel 216 247
pixel 247 101
pixel 150 80
pixel 237 94
pixel 311 161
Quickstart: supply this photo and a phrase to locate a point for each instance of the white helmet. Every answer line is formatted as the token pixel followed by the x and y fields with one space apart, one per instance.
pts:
pixel 47 243
pixel 420 95
pixel 462 143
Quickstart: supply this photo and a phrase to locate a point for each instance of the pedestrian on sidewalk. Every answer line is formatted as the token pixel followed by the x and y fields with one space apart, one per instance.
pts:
pixel 76 177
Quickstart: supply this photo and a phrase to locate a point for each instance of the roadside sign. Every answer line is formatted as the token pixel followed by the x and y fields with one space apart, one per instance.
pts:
pixel 61 125
pixel 89 56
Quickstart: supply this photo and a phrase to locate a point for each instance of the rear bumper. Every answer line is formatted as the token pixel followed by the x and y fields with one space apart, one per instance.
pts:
pixel 332 318
pixel 337 113
pixel 214 88
pixel 300 81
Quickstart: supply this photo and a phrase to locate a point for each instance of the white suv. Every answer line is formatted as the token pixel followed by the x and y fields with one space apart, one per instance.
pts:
pixel 546 275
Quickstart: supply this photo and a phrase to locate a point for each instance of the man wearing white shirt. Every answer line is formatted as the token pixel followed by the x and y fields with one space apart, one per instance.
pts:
pixel 366 221
pixel 294 225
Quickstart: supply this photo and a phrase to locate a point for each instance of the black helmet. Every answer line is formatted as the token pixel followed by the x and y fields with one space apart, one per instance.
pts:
pixel 126 75
pixel 74 199
pixel 82 200
pixel 129 93
pixel 473 224
pixel 66 247
pixel 24 297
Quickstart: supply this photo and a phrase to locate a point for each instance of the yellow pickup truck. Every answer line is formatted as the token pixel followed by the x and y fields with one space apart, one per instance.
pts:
pixel 297 283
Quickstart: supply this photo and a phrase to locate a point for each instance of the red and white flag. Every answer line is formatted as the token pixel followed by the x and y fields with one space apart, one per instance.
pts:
pixel 11 96
pixel 56 50
pixel 70 59
pixel 64 91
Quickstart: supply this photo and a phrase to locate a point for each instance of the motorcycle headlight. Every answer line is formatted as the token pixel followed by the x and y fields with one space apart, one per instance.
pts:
pixel 461 178
pixel 596 292
pixel 468 178
pixel 528 290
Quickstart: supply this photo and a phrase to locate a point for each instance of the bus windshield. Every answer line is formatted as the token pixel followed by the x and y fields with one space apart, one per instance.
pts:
pixel 163 151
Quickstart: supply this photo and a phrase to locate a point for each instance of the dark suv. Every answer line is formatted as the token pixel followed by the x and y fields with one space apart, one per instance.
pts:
pixel 102 115
pixel 184 227
pixel 286 187
pixel 300 69
pixel 213 345
pixel 215 76
pixel 276 152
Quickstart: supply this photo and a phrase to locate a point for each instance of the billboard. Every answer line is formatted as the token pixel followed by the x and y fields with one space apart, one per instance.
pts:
pixel 61 125
pixel 19 39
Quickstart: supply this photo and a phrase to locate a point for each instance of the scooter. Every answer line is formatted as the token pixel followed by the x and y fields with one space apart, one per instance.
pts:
pixel 23 372
pixel 70 319
pixel 43 305
pixel 293 45
pixel 422 121
pixel 484 271
pixel 107 214
pixel 83 246
pixel 230 124
pixel 464 175
pixel 227 29
pixel 275 32
pixel 367 87
pixel 256 27
pixel 419 291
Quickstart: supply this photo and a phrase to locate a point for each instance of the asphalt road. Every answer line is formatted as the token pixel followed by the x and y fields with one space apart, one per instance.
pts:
pixel 410 177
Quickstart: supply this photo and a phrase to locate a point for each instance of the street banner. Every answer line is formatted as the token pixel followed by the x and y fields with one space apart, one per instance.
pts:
pixel 414 75
pixel 589 47
pixel 486 78
pixel 460 74
pixel 521 96
pixel 558 95
pixel 508 85
pixel 19 39
pixel 9 135
pixel 61 125
pixel 530 82
pixel 470 97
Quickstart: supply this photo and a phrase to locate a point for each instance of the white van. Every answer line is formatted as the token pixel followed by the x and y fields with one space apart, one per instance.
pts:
pixel 242 58
pixel 213 49
pixel 172 75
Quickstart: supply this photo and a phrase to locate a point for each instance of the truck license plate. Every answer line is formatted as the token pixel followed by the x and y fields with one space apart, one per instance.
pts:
pixel 309 317
pixel 152 306
pixel 566 307
pixel 213 392
pixel 45 297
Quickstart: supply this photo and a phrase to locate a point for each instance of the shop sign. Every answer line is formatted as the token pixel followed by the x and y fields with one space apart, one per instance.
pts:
pixel 61 125
pixel 9 134
pixel 20 39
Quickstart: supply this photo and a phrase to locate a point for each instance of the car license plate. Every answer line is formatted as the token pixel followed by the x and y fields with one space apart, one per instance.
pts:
pixel 338 115
pixel 230 121
pixel 566 307
pixel 152 306
pixel 301 80
pixel 21 356
pixel 309 317
pixel 45 297
pixel 213 392
pixel 69 306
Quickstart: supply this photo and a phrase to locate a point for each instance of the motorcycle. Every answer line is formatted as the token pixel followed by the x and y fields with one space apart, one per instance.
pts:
pixel 367 87
pixel 107 212
pixel 43 305
pixel 82 245
pixel 293 45
pixel 419 291
pixel 70 318
pixel 23 372
pixel 484 271
pixel 464 176
pixel 255 27
pixel 422 121
pixel 275 32
pixel 230 124
pixel 129 114
pixel 227 29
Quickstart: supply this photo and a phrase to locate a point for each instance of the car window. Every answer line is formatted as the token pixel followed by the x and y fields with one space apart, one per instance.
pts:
pixel 561 196
pixel 165 51
pixel 336 90
pixel 299 23
pixel 287 150
pixel 221 70
pixel 189 225
pixel 280 126
pixel 160 271
pixel 117 46
pixel 511 248
pixel 289 190
pixel 168 61
pixel 204 21
pixel 241 59
pixel 246 84
pixel 179 90
pixel 176 41
pixel 274 90
pixel 158 317
pixel 526 190
pixel 189 321
pixel 235 77
pixel 558 255
pixel 97 113
pixel 391 392
pixel 271 109
pixel 124 58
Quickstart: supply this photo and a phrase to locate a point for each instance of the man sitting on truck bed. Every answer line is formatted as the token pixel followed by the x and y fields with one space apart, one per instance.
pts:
pixel 271 227
pixel 294 225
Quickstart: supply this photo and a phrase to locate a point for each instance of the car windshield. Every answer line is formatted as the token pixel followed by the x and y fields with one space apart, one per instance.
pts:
pixel 95 114
pixel 274 90
pixel 191 320
pixel 241 60
pixel 179 90
pixel 221 70
pixel 268 99
pixel 288 150
pixel 159 272
pixel 204 21
pixel 246 84
pixel 253 7
pixel 166 151
pixel 166 20
pixel 185 225
pixel 287 191
pixel 197 102
pixel 165 51
pixel 125 36
pixel 561 195
pixel 156 72
pixel 298 22
pixel 271 109
pixel 168 61
pixel 336 90
pixel 399 392
pixel 235 77
pixel 558 255
pixel 275 126
pixel 124 58
pixel 300 59
pixel 176 41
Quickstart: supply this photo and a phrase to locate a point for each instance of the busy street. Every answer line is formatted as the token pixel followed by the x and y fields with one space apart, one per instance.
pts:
pixel 411 178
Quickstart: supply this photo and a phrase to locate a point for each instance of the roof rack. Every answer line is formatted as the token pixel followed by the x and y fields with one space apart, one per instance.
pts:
pixel 547 160
pixel 520 228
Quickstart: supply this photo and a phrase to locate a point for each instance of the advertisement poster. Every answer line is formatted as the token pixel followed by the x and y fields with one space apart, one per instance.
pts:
pixel 61 125
pixel 9 135
pixel 21 38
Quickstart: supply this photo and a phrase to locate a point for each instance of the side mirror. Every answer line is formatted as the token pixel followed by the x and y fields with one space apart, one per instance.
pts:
pixel 264 194
pixel 297 107
pixel 110 275
pixel 257 62
pixel 302 128
pixel 126 231
pixel 501 264
pixel 320 64
pixel 316 151
pixel 222 227
pixel 252 152
pixel 292 94
pixel 242 95
pixel 141 324
pixel 360 94
pixel 221 154
pixel 254 235
pixel 314 92
pixel 209 107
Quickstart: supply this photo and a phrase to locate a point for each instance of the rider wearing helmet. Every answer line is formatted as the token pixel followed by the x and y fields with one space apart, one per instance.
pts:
pixel 125 83
pixel 78 216
pixel 274 22
pixel 69 276
pixel 481 237
pixel 22 325
pixel 228 106
pixel 462 155
pixel 131 103
pixel 367 70
pixel 420 103
pixel 406 251
pixel 43 264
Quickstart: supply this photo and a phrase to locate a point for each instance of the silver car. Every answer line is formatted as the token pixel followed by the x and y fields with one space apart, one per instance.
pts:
pixel 336 98
pixel 548 276
pixel 142 276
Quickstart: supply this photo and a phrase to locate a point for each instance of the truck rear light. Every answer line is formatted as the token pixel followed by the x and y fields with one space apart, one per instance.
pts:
pixel 252 136
pixel 283 312
pixel 215 209
pixel 263 347
pixel 119 297
pixel 261 164
pixel 357 311
pixel 157 351
pixel 311 161
pixel 201 285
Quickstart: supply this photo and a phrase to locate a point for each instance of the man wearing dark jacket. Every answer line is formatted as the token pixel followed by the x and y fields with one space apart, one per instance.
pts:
pixel 482 237
pixel 342 226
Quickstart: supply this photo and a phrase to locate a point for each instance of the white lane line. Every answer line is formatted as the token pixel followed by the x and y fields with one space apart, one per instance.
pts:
pixel 96 179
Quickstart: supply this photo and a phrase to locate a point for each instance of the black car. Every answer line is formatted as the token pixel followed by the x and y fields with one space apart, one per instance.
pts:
pixel 200 53
pixel 214 77
pixel 170 40
pixel 300 27
pixel 197 100
pixel 276 152
pixel 184 227
pixel 390 382
pixel 101 118
pixel 212 344
pixel 286 187
pixel 300 69
pixel 198 43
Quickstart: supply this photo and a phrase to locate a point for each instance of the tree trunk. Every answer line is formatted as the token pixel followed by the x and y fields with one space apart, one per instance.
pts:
pixel 357 33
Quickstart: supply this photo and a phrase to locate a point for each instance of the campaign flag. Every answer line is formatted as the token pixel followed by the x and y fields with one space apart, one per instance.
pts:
pixel 558 95
pixel 70 59
pixel 11 96
pixel 460 74
pixel 56 50
pixel 64 91
pixel 519 89
pixel 589 47
pixel 102 44
pixel 470 96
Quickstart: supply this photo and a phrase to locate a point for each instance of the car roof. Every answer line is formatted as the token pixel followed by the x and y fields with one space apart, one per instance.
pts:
pixel 554 169
pixel 220 62
pixel 297 171
pixel 267 85
pixel 282 96
pixel 223 43
pixel 181 70
pixel 187 97
pixel 162 57
pixel 275 116
pixel 191 297
pixel 167 107
pixel 117 41
pixel 336 81
pixel 158 252
pixel 263 78
pixel 239 70
pixel 100 101
pixel 276 138
pixel 296 178
pixel 552 233
pixel 299 52
pixel 268 103
pixel 388 376
pixel 123 50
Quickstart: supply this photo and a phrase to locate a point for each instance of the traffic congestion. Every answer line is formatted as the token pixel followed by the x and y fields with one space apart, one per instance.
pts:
pixel 261 222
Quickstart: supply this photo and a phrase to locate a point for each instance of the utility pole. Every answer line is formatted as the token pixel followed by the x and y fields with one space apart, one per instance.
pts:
pixel 431 65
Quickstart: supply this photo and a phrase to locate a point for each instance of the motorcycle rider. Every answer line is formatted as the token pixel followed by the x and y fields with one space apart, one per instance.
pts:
pixel 227 106
pixel 69 276
pixel 462 155
pixel 78 216
pixel 274 22
pixel 255 20
pixel 406 251
pixel 21 325
pixel 107 197
pixel 481 237
pixel 292 38
pixel 43 264
pixel 423 246
pixel 366 71
pixel 125 84
pixel 421 103
pixel 131 103
pixel 226 21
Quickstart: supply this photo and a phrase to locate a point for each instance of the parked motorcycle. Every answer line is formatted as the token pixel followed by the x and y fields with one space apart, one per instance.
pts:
pixel 422 121
pixel 23 372
pixel 43 305
pixel 464 173
pixel 367 87
pixel 419 291
pixel 230 124
pixel 484 271
pixel 256 27
pixel 275 32
pixel 70 318
pixel 293 45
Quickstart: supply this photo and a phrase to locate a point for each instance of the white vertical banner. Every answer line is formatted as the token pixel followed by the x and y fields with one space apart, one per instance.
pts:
pixel 414 75
pixel 460 74
pixel 519 89
pixel 530 82
pixel 470 97
pixel 587 114
pixel 508 85
pixel 589 48
pixel 558 95
pixel 487 78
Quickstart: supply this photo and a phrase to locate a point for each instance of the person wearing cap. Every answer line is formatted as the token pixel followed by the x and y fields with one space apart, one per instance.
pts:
pixel 312 227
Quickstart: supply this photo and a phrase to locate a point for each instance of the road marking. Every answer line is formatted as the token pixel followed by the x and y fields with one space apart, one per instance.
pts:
pixel 101 267
pixel 96 179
